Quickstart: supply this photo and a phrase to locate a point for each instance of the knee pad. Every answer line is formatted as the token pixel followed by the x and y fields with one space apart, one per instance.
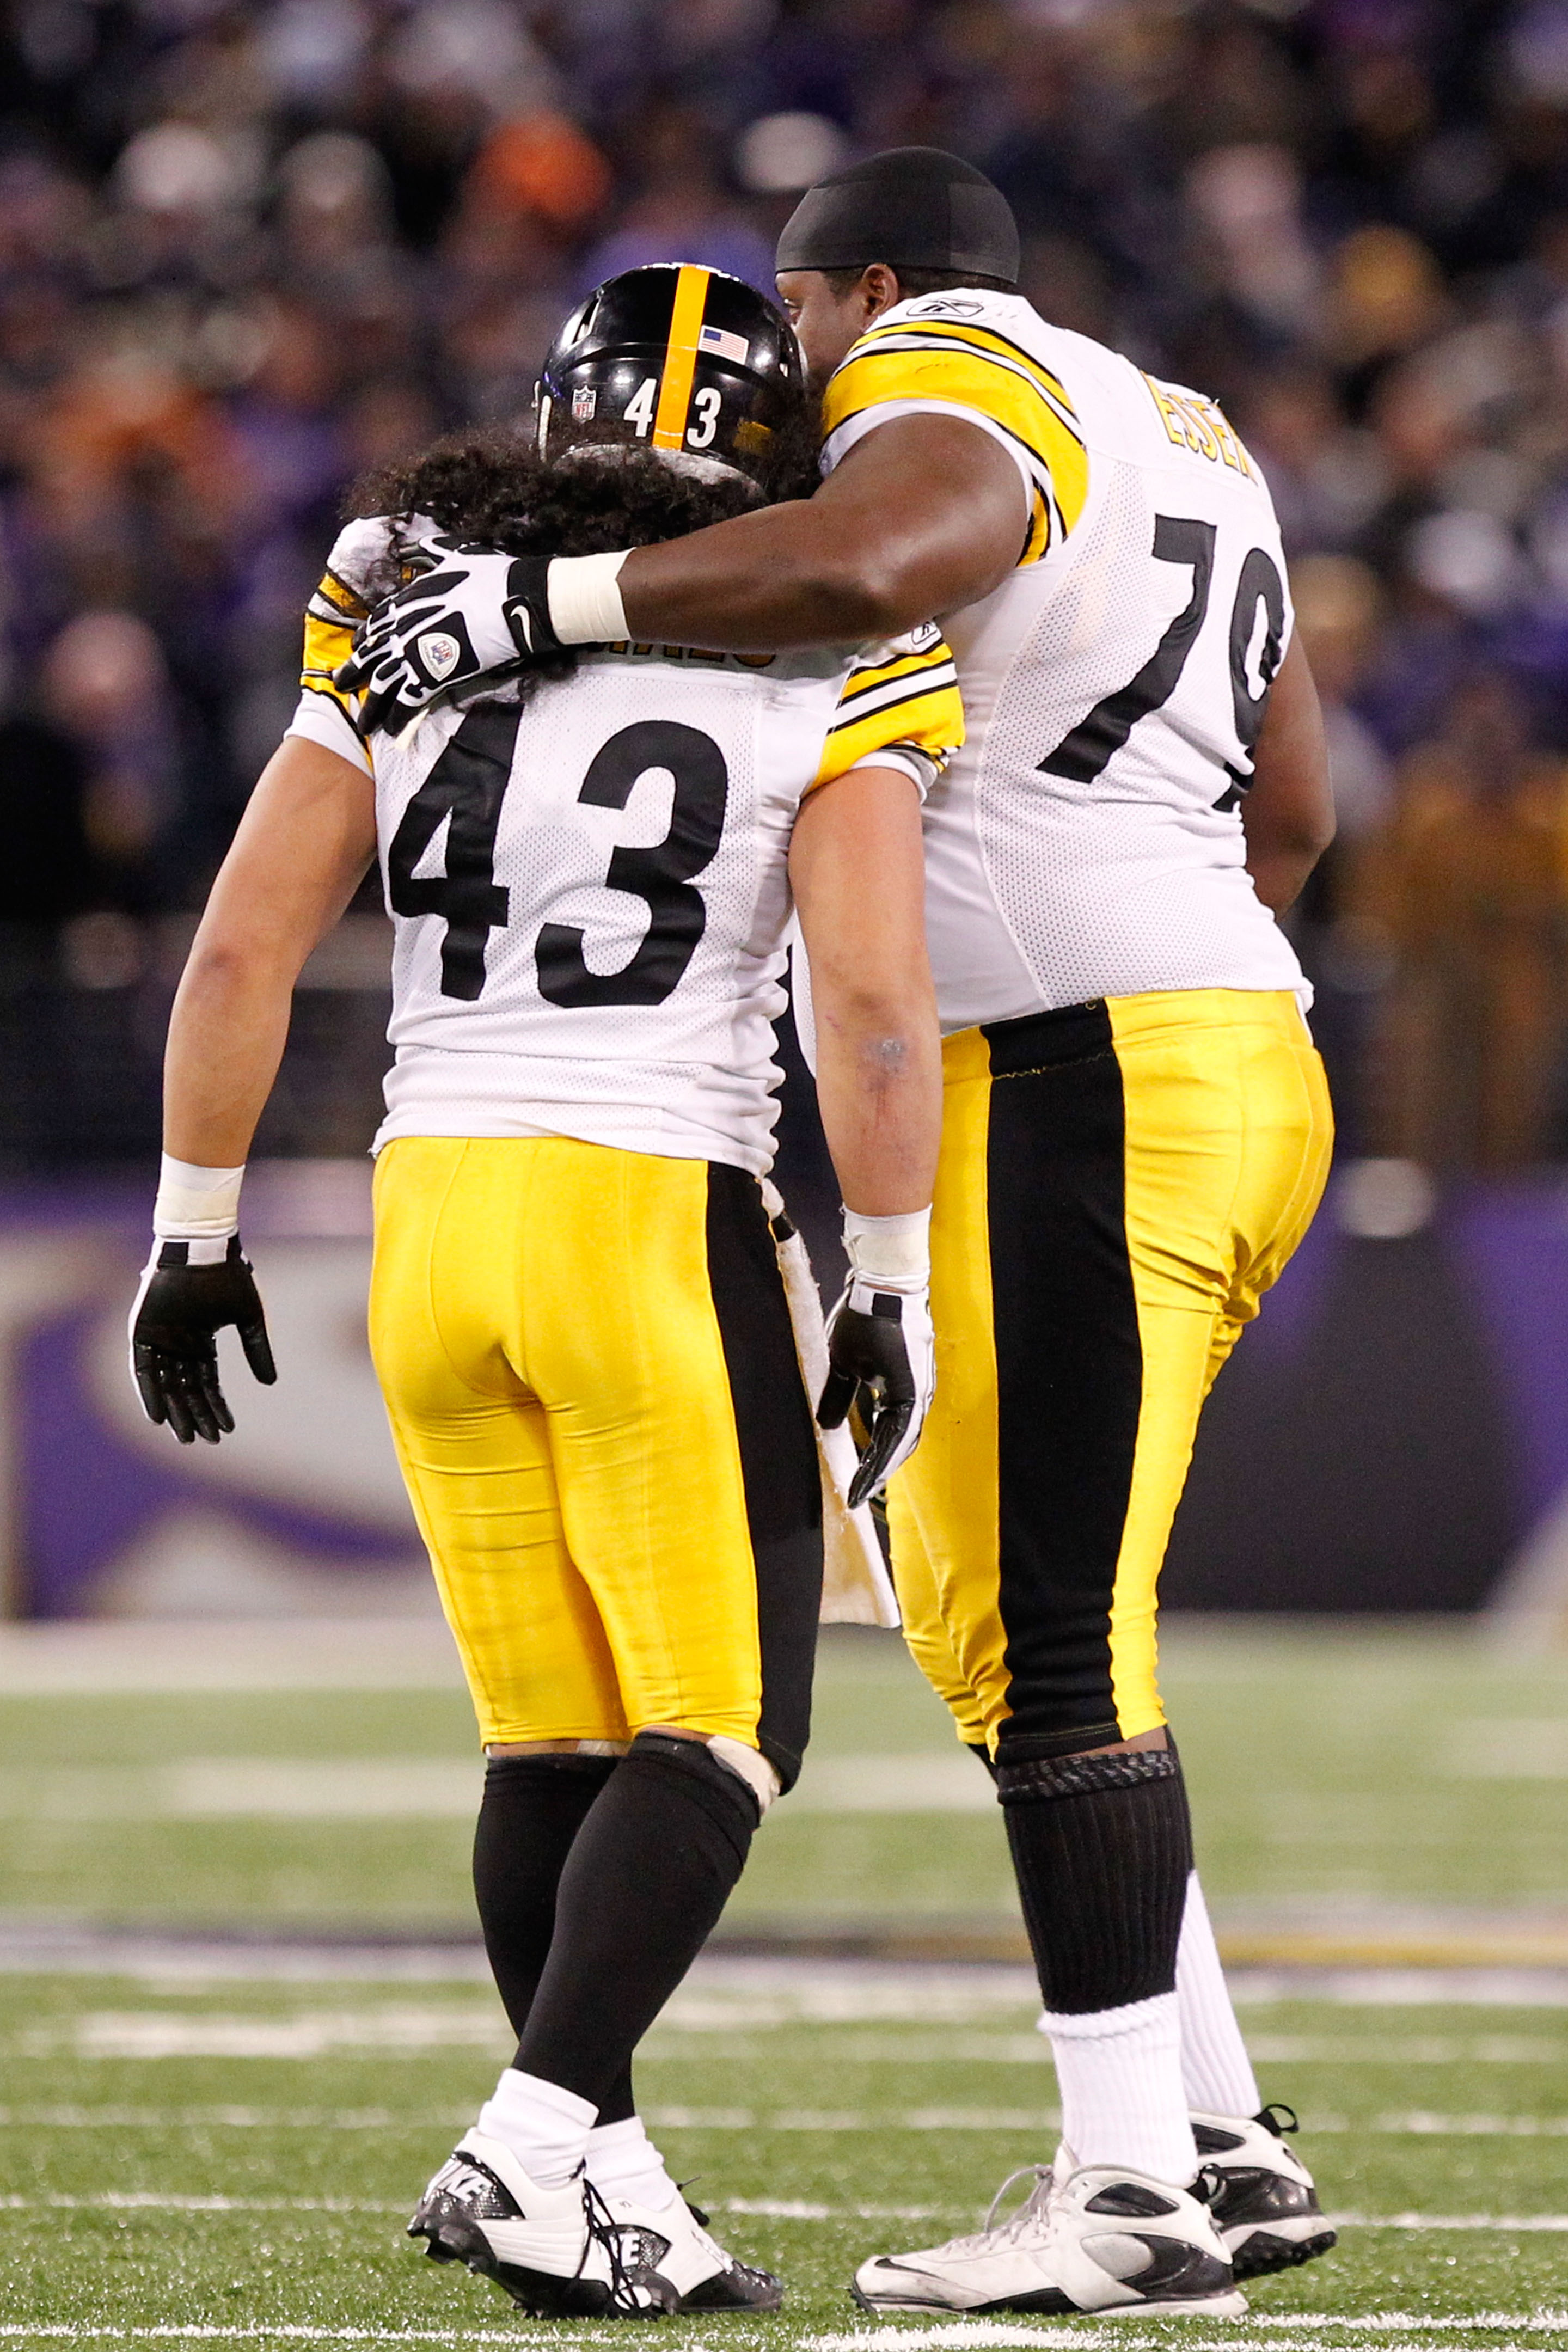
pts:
pixel 751 1766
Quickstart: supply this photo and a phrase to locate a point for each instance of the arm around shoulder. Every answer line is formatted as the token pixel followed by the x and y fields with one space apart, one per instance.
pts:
pixel 927 514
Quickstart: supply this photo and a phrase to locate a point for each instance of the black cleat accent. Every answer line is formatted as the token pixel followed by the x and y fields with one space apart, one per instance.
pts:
pixel 1246 2194
pixel 1176 2270
pixel 1251 2197
pixel 740 2288
pixel 1262 2254
pixel 1132 2198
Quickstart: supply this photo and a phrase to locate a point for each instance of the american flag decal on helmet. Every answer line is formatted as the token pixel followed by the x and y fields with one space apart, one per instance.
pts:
pixel 725 346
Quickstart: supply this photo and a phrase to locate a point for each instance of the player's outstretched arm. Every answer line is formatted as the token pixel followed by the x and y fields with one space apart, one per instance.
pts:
pixel 1287 815
pixel 303 846
pixel 927 514
pixel 858 872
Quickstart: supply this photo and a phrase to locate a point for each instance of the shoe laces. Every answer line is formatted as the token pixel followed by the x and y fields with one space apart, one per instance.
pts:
pixel 1029 2210
pixel 604 2231
pixel 1277 2118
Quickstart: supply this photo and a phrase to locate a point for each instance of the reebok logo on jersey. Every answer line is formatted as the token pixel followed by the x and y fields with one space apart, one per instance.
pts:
pixel 438 655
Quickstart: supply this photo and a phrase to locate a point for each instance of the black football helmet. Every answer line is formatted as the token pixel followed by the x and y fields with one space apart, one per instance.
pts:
pixel 677 358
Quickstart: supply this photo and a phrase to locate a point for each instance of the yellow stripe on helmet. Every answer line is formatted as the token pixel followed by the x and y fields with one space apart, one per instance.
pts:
pixel 680 357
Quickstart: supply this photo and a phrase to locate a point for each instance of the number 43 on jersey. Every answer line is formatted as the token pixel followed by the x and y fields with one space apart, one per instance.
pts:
pixel 467 788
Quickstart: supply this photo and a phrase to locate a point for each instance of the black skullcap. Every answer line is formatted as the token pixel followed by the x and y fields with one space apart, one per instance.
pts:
pixel 913 207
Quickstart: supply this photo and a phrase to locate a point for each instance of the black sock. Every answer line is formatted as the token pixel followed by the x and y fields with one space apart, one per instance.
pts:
pixel 648 1873
pixel 529 1814
pixel 1102 1846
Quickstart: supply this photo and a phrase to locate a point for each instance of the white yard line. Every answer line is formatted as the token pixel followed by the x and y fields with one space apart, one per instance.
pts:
pixel 129 2200
pixel 230 2118
pixel 964 2335
pixel 989 2335
pixel 87 1660
pixel 74 2332
pixel 433 1788
pixel 741 1993
pixel 779 2208
pixel 394 2033
pixel 1553 2223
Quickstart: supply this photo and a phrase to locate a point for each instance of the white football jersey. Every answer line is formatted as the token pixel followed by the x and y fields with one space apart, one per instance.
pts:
pixel 1086 840
pixel 590 886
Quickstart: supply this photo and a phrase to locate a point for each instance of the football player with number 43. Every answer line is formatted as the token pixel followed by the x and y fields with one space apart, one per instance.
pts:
pixel 577 1315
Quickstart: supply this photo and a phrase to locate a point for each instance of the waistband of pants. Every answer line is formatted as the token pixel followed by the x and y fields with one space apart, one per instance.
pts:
pixel 1039 1041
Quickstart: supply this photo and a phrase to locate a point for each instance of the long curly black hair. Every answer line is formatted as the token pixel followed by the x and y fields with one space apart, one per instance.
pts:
pixel 589 499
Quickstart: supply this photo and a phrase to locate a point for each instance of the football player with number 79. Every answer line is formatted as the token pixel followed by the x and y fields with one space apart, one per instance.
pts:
pixel 578 1312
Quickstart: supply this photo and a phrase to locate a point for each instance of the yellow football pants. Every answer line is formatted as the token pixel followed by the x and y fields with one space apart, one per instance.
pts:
pixel 591 1377
pixel 1119 1182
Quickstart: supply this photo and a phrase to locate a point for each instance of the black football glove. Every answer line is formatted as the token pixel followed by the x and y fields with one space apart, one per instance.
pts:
pixel 881 1359
pixel 473 614
pixel 179 1311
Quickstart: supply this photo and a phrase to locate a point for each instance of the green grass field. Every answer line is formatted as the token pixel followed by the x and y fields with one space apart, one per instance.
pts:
pixel 199 2148
pixel 1333 1772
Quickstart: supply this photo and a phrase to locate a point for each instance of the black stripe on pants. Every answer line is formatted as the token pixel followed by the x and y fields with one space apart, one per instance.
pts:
pixel 1070 1367
pixel 778 1457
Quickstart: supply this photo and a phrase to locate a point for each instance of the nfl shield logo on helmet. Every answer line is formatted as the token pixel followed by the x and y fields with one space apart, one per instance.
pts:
pixel 585 404
pixel 439 654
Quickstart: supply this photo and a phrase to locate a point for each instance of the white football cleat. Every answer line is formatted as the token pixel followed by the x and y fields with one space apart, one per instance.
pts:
pixel 1091 2237
pixel 556 2250
pixel 1266 2207
pixel 672 2242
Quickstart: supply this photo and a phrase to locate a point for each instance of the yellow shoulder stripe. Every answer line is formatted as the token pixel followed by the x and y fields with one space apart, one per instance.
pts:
pixel 328 645
pixel 980 338
pixel 871 378
pixel 341 597
pixel 867 677
pixel 910 699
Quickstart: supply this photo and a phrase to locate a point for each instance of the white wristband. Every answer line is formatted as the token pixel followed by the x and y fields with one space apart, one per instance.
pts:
pixel 892 1251
pixel 585 607
pixel 196 1204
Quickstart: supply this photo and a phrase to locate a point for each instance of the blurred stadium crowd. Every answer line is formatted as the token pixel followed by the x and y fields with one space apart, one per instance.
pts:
pixel 248 250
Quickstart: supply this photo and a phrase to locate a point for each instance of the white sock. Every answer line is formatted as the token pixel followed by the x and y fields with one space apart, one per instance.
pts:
pixel 1215 2067
pixel 1119 2074
pixel 624 2162
pixel 545 2127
